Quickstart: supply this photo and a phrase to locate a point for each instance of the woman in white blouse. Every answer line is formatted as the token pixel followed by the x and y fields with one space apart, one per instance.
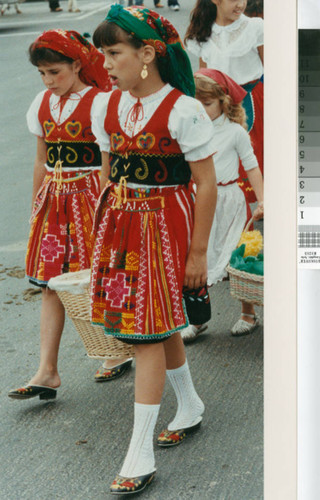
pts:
pixel 225 39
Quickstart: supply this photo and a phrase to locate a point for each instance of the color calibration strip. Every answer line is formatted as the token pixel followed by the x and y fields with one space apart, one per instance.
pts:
pixel 309 149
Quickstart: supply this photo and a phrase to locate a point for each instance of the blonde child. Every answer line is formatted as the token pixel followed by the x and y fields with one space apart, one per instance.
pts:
pixel 65 183
pixel 227 40
pixel 150 237
pixel 222 97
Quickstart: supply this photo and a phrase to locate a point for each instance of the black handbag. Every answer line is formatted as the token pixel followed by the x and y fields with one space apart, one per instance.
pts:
pixel 198 305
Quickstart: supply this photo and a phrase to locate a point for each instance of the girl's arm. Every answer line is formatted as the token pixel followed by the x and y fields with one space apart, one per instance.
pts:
pixel 260 52
pixel 202 64
pixel 203 174
pixel 105 169
pixel 39 171
pixel 256 181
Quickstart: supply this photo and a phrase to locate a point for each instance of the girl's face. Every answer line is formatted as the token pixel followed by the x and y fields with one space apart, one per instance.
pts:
pixel 124 64
pixel 229 11
pixel 212 107
pixel 61 78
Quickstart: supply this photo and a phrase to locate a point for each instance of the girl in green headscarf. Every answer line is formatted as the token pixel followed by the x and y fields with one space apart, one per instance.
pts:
pixel 151 237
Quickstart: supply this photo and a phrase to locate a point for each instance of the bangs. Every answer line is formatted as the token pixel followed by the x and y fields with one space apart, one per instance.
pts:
pixel 108 33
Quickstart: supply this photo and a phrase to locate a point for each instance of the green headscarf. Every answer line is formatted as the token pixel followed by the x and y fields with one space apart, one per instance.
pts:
pixel 153 29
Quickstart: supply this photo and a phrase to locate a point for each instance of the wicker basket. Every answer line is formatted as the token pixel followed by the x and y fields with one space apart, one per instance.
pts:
pixel 244 286
pixel 73 291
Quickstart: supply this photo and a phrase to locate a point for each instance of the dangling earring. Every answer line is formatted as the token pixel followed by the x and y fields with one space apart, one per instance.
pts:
pixel 144 72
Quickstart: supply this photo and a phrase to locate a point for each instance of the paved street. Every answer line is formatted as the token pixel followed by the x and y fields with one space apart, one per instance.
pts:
pixel 71 448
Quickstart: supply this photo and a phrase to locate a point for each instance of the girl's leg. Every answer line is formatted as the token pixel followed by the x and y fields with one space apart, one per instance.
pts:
pixel 51 326
pixel 149 384
pixel 190 406
pixel 247 311
pixel 5 6
pixel 174 351
pixel 150 373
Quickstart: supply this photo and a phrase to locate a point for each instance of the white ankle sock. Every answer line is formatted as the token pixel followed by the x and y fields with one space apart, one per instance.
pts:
pixel 190 406
pixel 140 456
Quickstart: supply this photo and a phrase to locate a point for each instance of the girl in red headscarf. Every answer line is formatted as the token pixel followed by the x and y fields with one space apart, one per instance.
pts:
pixel 222 98
pixel 65 183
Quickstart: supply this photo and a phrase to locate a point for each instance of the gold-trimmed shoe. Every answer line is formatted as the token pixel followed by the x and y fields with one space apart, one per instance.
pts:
pixel 126 486
pixel 173 438
pixel 31 391
pixel 104 374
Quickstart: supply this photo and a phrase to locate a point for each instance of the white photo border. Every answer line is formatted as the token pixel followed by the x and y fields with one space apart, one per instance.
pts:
pixel 280 230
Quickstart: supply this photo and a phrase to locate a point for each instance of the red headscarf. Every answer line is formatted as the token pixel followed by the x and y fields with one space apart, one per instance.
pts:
pixel 72 44
pixel 229 86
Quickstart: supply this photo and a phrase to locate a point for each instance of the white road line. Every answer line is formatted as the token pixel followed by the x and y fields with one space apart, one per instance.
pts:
pixel 54 21
pixel 22 34
pixel 88 14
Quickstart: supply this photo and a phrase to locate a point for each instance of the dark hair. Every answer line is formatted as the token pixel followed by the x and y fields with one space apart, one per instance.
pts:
pixel 254 8
pixel 108 33
pixel 202 18
pixel 40 55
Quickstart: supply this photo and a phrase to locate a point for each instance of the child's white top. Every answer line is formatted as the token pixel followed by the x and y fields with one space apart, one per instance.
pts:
pixel 231 142
pixel 54 103
pixel 233 49
pixel 188 121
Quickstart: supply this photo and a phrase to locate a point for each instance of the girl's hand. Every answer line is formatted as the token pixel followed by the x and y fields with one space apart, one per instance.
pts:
pixel 196 270
pixel 258 213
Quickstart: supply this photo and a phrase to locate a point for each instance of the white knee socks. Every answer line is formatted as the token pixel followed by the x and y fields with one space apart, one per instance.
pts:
pixel 190 406
pixel 140 456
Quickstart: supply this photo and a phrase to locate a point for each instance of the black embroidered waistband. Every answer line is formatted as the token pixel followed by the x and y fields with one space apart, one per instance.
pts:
pixel 73 154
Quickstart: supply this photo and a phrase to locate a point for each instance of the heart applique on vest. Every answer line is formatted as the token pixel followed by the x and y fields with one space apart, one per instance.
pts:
pixel 48 127
pixel 73 128
pixel 146 141
pixel 117 141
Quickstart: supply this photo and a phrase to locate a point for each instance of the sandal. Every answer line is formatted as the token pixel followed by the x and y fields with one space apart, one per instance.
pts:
pixel 242 327
pixel 104 374
pixel 172 438
pixel 31 391
pixel 191 332
pixel 125 485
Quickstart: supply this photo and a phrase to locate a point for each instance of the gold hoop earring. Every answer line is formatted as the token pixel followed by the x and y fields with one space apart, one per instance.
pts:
pixel 144 72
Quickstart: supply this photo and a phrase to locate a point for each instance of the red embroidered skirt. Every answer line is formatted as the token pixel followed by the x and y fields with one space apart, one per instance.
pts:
pixel 60 238
pixel 139 262
pixel 256 136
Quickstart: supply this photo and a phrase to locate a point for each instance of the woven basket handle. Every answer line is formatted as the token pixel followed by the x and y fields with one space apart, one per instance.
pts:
pixel 248 225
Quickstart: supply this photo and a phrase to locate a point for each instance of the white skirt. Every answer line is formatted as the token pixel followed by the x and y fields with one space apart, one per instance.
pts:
pixel 229 221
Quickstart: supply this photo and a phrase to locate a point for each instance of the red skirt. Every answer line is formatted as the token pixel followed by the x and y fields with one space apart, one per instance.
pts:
pixel 256 136
pixel 139 262
pixel 61 238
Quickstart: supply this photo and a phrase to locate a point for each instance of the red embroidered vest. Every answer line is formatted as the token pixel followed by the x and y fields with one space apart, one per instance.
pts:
pixel 72 141
pixel 150 157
